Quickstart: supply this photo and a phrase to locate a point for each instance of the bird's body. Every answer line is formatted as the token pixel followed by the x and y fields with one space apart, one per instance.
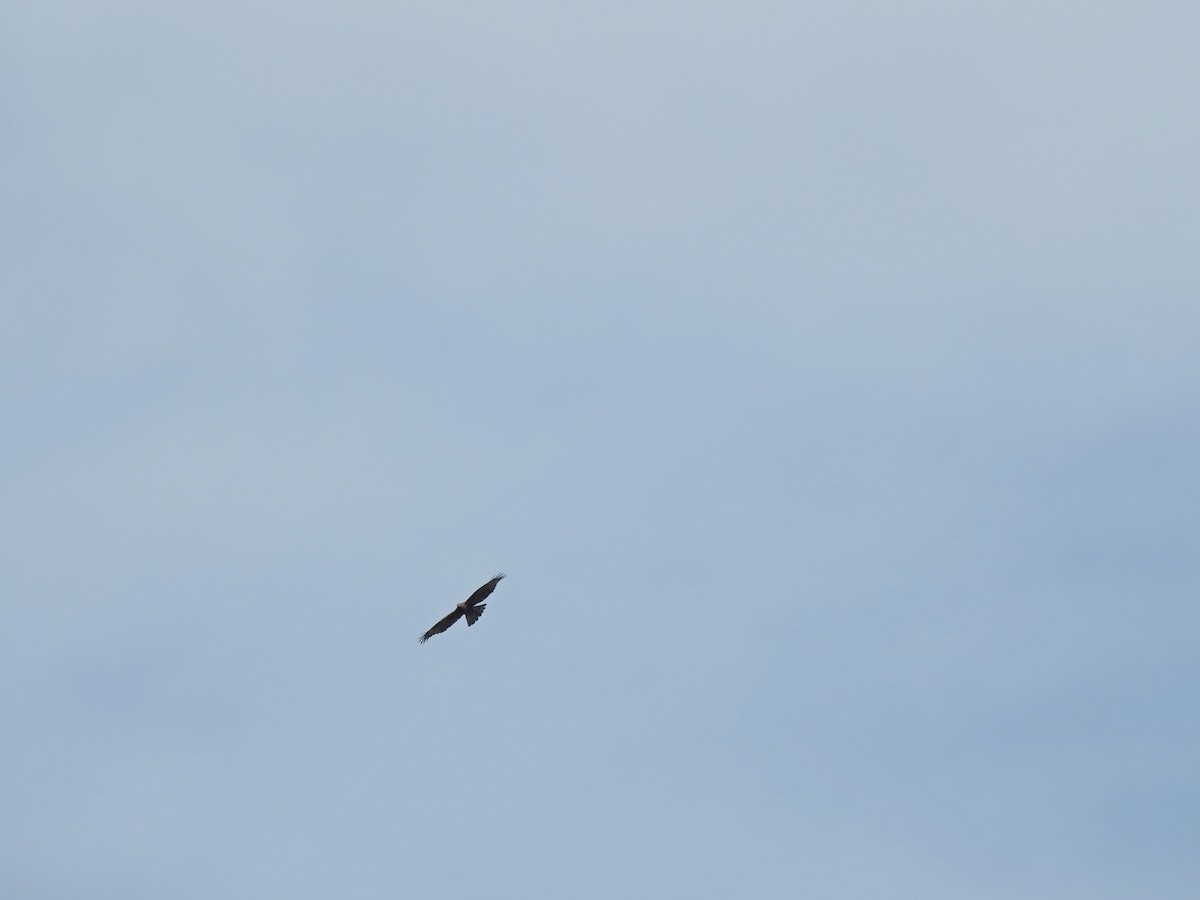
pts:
pixel 472 608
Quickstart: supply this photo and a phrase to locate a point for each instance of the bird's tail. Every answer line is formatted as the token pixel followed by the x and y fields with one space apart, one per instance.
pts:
pixel 474 612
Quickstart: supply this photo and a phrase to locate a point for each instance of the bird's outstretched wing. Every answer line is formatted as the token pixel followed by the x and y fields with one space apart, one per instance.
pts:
pixel 442 625
pixel 482 593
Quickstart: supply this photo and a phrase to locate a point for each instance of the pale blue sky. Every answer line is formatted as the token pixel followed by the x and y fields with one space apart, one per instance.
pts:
pixel 825 377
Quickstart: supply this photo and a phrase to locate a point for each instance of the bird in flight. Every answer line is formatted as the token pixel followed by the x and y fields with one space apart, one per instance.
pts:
pixel 472 608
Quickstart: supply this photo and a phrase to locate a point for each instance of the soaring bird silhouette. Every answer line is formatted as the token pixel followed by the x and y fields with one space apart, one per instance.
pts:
pixel 472 608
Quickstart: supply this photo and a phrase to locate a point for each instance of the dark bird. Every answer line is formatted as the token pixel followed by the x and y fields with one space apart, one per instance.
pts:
pixel 472 608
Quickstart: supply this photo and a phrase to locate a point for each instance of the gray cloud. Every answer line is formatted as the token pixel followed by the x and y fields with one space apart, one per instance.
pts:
pixel 824 379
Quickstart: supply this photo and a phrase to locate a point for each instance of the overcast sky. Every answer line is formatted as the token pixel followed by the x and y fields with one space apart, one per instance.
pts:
pixel 825 377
